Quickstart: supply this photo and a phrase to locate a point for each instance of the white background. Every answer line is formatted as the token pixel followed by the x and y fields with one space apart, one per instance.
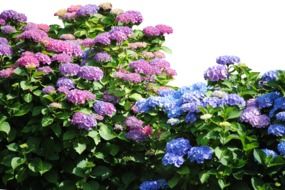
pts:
pixel 203 29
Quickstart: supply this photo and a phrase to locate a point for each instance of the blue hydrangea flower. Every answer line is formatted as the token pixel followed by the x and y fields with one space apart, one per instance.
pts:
pixel 179 146
pixel 280 116
pixel 276 130
pixel 173 121
pixel 234 100
pixel 279 104
pixel 154 185
pixel 269 152
pixel 281 148
pixel 172 159
pixel 270 76
pixel 227 60
pixel 191 118
pixel 200 153
pixel 266 100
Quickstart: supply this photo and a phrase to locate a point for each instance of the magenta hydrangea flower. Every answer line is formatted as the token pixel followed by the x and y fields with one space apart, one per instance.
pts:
pixel 43 58
pixel 35 35
pixel 151 31
pixel 66 82
pixel 45 69
pixel 216 73
pixel 49 90
pixel 73 8
pixel 28 61
pixel 120 33
pixel 102 57
pixel 12 15
pixel 62 58
pixel 102 39
pixel 142 66
pixel 76 96
pixel 130 77
pixel 164 29
pixel 104 108
pixel 63 89
pixel 6 73
pixel 130 17
pixel 87 10
pixel 2 22
pixel 43 27
pixel 8 29
pixel 69 69
pixel 84 121
pixel 90 73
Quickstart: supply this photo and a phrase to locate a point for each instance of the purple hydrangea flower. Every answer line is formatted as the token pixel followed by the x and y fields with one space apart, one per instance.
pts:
pixel 76 96
pixel 69 69
pixel 172 159
pixel 103 39
pixel 154 185
pixel 63 81
pixel 5 50
pixel 142 66
pixel 8 29
pixel 260 121
pixel 130 17
pixel 2 22
pixel 43 58
pixel 49 90
pixel 62 58
pixel 102 57
pixel 35 35
pixel 6 73
pixel 269 153
pixel 3 41
pixel 270 76
pixel 136 135
pixel 151 31
pixel 104 108
pixel 216 73
pixel 45 69
pixel 12 15
pixel 227 60
pixel 281 148
pixel 133 122
pixel 110 98
pixel 276 130
pixel 200 153
pixel 84 121
pixel 87 10
pixel 234 100
pixel 126 76
pixel 90 73
pixel 120 33
pixel 164 29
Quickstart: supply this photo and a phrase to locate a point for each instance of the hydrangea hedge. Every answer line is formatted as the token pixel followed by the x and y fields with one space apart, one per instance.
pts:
pixel 86 105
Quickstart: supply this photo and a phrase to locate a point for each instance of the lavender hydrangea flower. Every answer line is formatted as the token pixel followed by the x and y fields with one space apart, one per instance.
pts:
pixel 142 66
pixel 49 90
pixel 234 100
pixel 62 58
pixel 260 121
pixel 102 57
pixel 2 22
pixel 154 185
pixel 61 46
pixel 281 148
pixel 63 81
pixel 227 60
pixel 103 39
pixel 133 123
pixel 269 153
pixel 90 73
pixel 130 17
pixel 200 154
pixel 126 76
pixel 45 69
pixel 12 15
pixel 216 73
pixel 43 58
pixel 136 135
pixel 84 121
pixel 120 33
pixel 151 31
pixel 35 35
pixel 3 41
pixel 104 108
pixel 69 69
pixel 164 29
pixel 110 98
pixel 8 29
pixel 87 10
pixel 172 159
pixel 5 50
pixel 276 130
pixel 76 96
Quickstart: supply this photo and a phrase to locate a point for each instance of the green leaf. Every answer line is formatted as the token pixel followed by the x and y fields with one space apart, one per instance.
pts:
pixel 47 120
pixel 39 166
pixel 102 171
pixel 17 161
pixel 68 135
pixel 5 127
pixel 135 97
pixel 28 97
pixel 106 133
pixel 184 170
pixel 80 147
pixel 91 185
pixel 173 181
pixel 95 136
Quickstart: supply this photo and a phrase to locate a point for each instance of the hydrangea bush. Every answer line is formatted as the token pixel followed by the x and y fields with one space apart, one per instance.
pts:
pixel 86 105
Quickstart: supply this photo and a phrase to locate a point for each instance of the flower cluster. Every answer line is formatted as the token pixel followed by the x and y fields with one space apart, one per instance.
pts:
pixel 5 48
pixel 84 121
pixel 154 185
pixel 130 17
pixel 158 30
pixel 11 15
pixel 104 108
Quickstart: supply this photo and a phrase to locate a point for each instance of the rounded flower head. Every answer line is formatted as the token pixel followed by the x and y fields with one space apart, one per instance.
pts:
pixel 8 29
pixel 164 29
pixel 151 31
pixel 179 146
pixel 104 108
pixel 69 69
pixel 102 57
pixel 136 135
pixel 76 96
pixel 200 154
pixel 227 60
pixel 66 82
pixel 84 121
pixel 269 153
pixel 172 159
pixel 260 121
pixel 270 76
pixel 62 58
pixel 45 69
pixel 281 148
pixel 234 100
pixel 43 58
pixel 276 130
pixel 49 90
pixel 102 39
pixel 5 50
pixel 267 100
pixel 130 17
pixel 3 41
pixel 130 77
pixel 28 61
pixel 216 73
pixel 6 73
pixel 35 35
pixel 280 116
pixel 87 10
pixel 154 185
pixel 90 73
pixel 133 122
pixel 11 15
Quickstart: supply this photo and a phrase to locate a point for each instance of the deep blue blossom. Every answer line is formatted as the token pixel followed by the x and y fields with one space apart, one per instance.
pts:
pixel 281 148
pixel 279 104
pixel 276 130
pixel 179 146
pixel 270 76
pixel 266 100
pixel 200 154
pixel 191 118
pixel 280 116
pixel 154 185
pixel 172 159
